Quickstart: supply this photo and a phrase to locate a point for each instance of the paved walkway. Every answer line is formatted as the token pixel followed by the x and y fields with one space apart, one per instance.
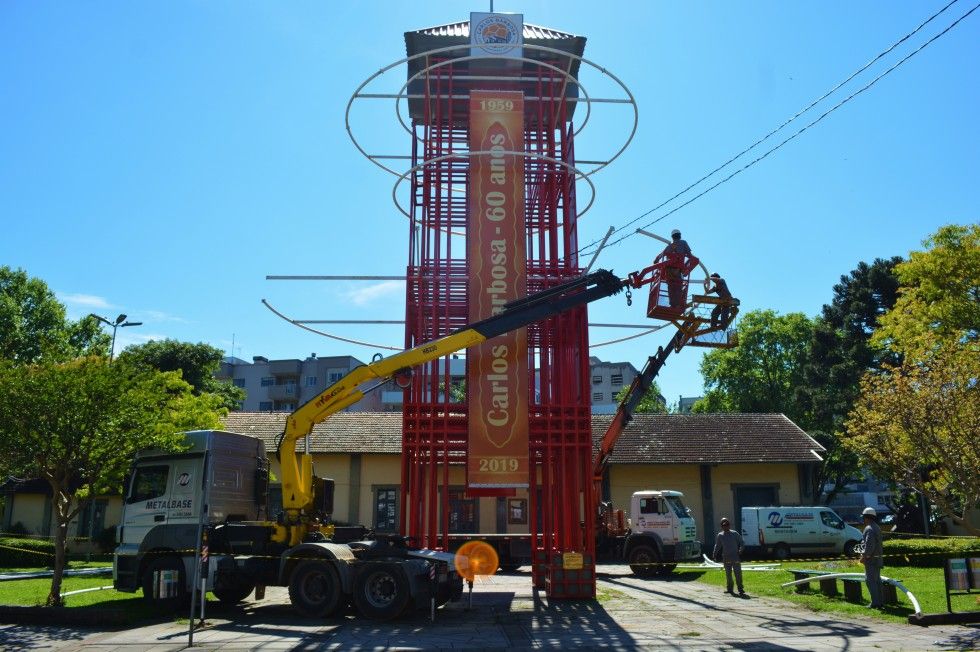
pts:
pixel 631 614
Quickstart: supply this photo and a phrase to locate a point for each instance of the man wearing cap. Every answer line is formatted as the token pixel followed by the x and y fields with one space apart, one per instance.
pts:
pixel 729 545
pixel 675 254
pixel 721 312
pixel 872 557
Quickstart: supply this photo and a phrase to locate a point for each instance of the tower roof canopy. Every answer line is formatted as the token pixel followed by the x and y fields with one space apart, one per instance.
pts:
pixel 461 30
pixel 458 33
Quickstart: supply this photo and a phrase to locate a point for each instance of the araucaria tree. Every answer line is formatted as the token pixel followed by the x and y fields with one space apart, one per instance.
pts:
pixel 917 423
pixel 840 354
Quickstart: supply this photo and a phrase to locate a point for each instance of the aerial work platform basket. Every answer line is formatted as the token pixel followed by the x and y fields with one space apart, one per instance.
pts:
pixel 706 323
pixel 669 277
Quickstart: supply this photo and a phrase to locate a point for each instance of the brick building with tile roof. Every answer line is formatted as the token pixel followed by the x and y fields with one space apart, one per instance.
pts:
pixel 719 461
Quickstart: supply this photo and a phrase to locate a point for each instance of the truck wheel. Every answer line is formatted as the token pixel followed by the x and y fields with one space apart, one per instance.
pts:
pixel 643 561
pixel 232 589
pixel 163 564
pixel 780 551
pixel 851 548
pixel 381 591
pixel 314 588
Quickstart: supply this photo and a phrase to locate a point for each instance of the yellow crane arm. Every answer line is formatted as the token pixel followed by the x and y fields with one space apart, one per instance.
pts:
pixel 297 473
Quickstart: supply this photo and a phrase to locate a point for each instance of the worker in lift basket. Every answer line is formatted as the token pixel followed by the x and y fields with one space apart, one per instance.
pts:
pixel 675 254
pixel 728 549
pixel 722 311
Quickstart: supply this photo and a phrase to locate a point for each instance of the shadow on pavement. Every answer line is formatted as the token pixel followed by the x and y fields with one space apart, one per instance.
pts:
pixel 22 637
pixel 497 619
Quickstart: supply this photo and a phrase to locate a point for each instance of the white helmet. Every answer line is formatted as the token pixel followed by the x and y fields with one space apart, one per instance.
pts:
pixel 675 232
pixel 869 511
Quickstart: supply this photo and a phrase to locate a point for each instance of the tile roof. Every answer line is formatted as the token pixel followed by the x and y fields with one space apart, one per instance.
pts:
pixel 709 439
pixel 649 439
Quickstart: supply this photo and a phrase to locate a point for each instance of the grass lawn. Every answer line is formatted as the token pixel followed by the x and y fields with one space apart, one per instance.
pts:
pixel 33 592
pixel 925 583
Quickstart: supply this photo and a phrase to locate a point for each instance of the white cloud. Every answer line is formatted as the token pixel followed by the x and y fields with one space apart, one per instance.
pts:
pixel 86 300
pixel 158 315
pixel 366 295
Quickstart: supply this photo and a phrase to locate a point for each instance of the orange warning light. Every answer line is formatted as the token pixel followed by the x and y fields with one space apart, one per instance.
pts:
pixel 476 558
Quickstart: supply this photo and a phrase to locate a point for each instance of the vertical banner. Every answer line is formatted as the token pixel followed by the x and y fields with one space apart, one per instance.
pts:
pixel 497 370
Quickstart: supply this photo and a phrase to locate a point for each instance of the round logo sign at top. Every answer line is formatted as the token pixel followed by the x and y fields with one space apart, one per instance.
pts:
pixel 775 519
pixel 496 34
pixel 183 479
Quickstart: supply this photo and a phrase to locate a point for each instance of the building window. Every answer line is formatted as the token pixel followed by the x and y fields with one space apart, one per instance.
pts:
pixel 463 515
pixel 616 379
pixel 268 381
pixel 265 406
pixel 596 380
pixel 311 381
pixel 517 511
pixel 335 376
pixel 91 521
pixel 597 397
pixel 239 382
pixel 386 509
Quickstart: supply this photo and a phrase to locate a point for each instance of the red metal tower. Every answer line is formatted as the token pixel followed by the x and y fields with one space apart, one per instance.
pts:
pixel 444 77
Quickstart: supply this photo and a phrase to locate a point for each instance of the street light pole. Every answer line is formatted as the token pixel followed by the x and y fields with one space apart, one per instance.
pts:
pixel 119 323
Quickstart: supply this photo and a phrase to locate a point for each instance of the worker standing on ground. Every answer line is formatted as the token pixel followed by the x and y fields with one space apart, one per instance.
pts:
pixel 675 256
pixel 729 546
pixel 721 312
pixel 872 557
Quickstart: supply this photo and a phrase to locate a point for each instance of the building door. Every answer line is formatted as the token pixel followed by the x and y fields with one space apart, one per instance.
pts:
pixel 463 515
pixel 753 495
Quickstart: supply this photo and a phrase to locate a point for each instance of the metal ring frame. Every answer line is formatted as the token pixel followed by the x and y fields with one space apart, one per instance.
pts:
pixel 486 152
pixel 541 48
pixel 567 75
pixel 579 174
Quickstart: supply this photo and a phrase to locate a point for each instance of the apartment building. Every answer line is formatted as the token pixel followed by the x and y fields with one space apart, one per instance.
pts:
pixel 284 385
pixel 607 380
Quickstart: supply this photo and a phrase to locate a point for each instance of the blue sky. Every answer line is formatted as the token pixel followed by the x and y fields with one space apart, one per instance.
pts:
pixel 159 159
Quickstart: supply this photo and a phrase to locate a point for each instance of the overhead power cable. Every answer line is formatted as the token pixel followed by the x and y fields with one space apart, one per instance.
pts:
pixel 586 248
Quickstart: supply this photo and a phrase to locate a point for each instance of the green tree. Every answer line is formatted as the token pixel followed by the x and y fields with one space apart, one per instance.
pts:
pixel 939 295
pixel 762 373
pixel 917 421
pixel 651 403
pixel 917 424
pixel 79 424
pixel 840 353
pixel 33 325
pixel 197 364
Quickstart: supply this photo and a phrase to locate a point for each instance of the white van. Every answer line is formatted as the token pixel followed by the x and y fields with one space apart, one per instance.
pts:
pixel 782 530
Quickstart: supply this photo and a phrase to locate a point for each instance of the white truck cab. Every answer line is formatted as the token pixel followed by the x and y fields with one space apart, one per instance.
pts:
pixel 662 533
pixel 783 530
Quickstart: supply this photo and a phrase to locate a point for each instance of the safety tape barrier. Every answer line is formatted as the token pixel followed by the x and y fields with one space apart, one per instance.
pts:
pixel 33 552
pixel 944 554
pixel 21 535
